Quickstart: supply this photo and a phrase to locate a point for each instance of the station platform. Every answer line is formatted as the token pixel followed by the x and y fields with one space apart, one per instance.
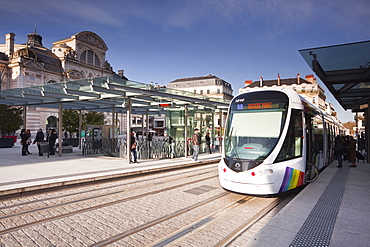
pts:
pixel 21 174
pixel 332 211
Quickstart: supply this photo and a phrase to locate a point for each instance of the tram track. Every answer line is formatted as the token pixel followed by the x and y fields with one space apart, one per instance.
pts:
pixel 87 199
pixel 101 191
pixel 173 209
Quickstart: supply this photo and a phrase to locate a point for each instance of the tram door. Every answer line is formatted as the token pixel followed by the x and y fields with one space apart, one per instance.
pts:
pixel 310 148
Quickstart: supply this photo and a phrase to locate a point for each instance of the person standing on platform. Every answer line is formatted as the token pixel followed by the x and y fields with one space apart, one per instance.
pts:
pixel 171 141
pixel 24 139
pixel 52 137
pixel 39 139
pixel 339 149
pixel 351 151
pixel 208 143
pixel 29 141
pixel 196 143
pixel 133 146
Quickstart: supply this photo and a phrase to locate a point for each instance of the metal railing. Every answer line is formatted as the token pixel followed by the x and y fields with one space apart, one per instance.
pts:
pixel 145 149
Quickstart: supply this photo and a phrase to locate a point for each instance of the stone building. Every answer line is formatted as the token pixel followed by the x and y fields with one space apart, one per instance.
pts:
pixel 80 56
pixel 208 85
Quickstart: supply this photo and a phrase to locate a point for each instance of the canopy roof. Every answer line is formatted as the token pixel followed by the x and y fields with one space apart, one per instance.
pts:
pixel 345 70
pixel 105 93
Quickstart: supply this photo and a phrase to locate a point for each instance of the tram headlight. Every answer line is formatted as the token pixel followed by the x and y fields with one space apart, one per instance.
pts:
pixel 269 171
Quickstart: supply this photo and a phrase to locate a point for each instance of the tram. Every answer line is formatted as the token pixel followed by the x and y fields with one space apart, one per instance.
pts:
pixel 274 141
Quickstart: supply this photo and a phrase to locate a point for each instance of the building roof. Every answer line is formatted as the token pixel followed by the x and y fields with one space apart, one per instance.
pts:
pixel 270 83
pixel 196 78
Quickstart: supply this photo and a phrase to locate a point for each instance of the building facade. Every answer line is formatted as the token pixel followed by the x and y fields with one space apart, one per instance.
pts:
pixel 208 85
pixel 80 56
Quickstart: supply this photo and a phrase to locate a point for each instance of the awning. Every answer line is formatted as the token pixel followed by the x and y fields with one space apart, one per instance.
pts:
pixel 105 93
pixel 345 70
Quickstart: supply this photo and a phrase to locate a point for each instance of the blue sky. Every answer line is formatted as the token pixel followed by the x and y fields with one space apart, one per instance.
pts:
pixel 163 40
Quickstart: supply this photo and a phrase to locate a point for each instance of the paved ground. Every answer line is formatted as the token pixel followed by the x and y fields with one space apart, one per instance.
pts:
pixel 24 173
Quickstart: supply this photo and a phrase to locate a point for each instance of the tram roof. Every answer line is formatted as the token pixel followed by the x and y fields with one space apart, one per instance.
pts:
pixel 105 93
pixel 345 70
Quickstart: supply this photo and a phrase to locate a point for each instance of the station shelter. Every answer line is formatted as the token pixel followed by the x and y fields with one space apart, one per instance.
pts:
pixel 345 70
pixel 120 97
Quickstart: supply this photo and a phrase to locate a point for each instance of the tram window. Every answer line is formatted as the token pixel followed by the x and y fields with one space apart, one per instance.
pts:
pixel 292 147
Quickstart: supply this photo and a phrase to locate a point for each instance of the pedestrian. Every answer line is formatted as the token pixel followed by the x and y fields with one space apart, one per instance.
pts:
pixel 133 146
pixel 171 141
pixel 29 141
pixel 24 140
pixel 51 138
pixel 351 151
pixel 339 149
pixel 196 143
pixel 39 139
pixel 208 143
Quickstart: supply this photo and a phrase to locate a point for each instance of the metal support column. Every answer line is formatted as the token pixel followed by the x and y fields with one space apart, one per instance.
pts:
pixel 186 131
pixel 79 128
pixel 367 131
pixel 60 130
pixel 128 130
pixel 113 138
pixel 24 117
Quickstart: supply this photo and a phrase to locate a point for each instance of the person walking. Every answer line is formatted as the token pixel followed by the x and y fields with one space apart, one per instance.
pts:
pixel 208 143
pixel 351 151
pixel 52 137
pixel 339 149
pixel 133 146
pixel 24 140
pixel 196 143
pixel 39 139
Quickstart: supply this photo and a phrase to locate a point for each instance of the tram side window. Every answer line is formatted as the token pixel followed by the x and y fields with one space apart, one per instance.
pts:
pixel 292 147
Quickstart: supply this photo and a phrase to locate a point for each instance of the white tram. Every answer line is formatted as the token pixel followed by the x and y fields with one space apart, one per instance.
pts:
pixel 274 141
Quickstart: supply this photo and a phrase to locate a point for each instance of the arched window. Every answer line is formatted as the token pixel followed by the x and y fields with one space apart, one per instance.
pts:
pixel 51 81
pixel 90 57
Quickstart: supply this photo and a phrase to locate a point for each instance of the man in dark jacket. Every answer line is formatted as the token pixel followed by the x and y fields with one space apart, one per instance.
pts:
pixel 52 137
pixel 39 139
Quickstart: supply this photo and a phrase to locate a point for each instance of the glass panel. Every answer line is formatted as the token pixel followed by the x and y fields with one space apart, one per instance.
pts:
pixel 292 147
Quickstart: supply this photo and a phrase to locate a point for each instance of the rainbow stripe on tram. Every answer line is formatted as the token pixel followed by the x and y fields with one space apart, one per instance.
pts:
pixel 292 179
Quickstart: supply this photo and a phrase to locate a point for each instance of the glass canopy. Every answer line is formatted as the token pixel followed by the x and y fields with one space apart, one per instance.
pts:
pixel 345 70
pixel 104 93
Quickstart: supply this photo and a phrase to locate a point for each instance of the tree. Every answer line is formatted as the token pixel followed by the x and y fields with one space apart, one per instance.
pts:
pixel 10 119
pixel 70 121
pixel 93 117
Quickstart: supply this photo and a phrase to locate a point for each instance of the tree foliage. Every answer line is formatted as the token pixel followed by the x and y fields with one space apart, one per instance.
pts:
pixel 10 119
pixel 71 119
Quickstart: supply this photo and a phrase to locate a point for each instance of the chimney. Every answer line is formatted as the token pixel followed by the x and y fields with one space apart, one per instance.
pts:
pixel 298 79
pixel 9 44
pixel 261 81
pixel 121 72
pixel 247 83
pixel 311 79
pixel 279 82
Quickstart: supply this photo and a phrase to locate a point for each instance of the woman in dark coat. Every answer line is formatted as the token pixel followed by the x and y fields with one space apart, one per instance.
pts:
pixel 339 149
pixel 39 139
pixel 351 151
pixel 24 141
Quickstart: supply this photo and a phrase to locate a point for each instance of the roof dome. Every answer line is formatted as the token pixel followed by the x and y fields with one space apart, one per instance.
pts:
pixel 34 39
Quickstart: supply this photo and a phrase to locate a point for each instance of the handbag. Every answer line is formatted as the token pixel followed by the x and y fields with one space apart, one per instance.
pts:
pixel 133 146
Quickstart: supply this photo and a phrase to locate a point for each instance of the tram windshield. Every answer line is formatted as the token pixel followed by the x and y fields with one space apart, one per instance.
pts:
pixel 254 125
